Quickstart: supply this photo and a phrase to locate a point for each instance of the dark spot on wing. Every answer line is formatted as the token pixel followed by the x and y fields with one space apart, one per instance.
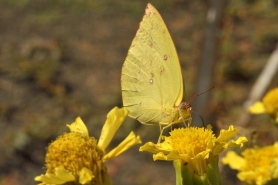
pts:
pixel 151 79
pixel 162 70
pixel 165 57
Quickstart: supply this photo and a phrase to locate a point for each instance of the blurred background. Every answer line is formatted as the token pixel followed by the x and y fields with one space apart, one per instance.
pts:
pixel 62 59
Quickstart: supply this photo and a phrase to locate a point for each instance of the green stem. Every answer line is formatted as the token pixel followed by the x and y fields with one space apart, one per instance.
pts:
pixel 186 176
pixel 183 173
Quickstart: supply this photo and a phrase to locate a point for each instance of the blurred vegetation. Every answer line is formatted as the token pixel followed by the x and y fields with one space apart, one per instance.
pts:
pixel 62 59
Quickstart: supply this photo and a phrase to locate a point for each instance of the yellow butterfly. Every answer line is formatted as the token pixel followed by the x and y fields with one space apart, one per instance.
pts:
pixel 151 80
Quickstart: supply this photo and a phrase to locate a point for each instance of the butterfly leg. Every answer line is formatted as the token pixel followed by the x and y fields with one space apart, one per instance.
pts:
pixel 183 120
pixel 189 120
pixel 162 130
pixel 160 135
pixel 181 117
pixel 185 117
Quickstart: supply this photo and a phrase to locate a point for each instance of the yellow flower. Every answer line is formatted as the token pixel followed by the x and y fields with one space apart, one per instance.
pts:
pixel 269 105
pixel 255 165
pixel 195 149
pixel 76 158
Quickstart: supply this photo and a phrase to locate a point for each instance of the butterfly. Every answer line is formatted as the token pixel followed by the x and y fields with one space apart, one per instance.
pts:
pixel 151 79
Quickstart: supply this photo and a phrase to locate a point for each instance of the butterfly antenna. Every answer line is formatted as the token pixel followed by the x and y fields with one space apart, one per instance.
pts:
pixel 200 117
pixel 196 95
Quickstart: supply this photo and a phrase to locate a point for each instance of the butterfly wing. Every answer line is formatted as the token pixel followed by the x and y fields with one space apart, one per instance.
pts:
pixel 151 78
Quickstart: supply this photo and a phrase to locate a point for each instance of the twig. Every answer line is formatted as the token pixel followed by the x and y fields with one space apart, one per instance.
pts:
pixel 260 86
pixel 206 66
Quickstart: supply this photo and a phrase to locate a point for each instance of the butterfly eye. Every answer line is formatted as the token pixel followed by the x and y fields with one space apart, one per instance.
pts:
pixel 186 106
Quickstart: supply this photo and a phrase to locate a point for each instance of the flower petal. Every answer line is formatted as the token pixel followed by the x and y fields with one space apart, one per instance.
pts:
pixel 78 126
pixel 274 168
pixel 220 147
pixel 60 176
pixel 114 120
pixel 129 141
pixel 161 154
pixel 270 102
pixel 257 108
pixel 238 143
pixel 85 176
pixel 170 157
pixel 235 161
pixel 156 148
pixel 199 164
pixel 225 135
pixel 149 147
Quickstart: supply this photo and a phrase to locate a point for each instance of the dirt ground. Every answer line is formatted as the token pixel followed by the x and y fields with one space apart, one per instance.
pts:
pixel 62 59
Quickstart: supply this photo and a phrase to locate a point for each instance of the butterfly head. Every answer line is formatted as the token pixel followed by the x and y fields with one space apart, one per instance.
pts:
pixel 185 105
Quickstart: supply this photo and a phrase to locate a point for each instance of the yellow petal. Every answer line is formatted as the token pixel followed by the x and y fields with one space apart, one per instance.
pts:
pixel 149 147
pixel 156 148
pixel 114 120
pixel 233 160
pixel 78 126
pixel 249 177
pixel 173 155
pixel 129 141
pixel 85 176
pixel 225 135
pixel 162 151
pixel 274 168
pixel 203 154
pixel 257 108
pixel 160 156
pixel 60 176
pixel 165 146
pixel 199 164
pixel 220 147
pixel 270 101
pixel 222 142
pixel 170 157
pixel 238 143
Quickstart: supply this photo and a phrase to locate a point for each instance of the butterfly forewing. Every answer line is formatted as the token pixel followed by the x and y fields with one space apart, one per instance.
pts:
pixel 151 75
